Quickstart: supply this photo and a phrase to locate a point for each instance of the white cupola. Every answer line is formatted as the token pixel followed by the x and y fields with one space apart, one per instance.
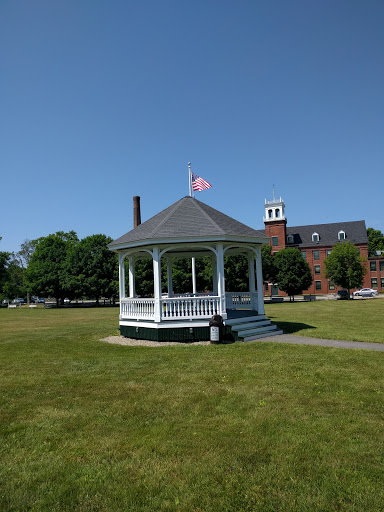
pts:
pixel 274 210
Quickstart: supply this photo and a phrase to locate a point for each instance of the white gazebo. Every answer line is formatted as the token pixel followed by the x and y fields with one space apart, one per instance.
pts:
pixel 190 229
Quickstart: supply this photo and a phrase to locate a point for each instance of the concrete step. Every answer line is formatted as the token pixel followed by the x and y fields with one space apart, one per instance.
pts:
pixel 256 330
pixel 250 325
pixel 244 319
pixel 263 335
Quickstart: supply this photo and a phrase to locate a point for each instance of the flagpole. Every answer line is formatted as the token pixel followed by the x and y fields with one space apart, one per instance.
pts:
pixel 193 259
pixel 189 178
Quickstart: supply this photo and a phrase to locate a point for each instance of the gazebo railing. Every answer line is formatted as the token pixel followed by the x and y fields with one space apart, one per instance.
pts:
pixel 178 308
pixel 241 300
pixel 185 307
pixel 171 308
pixel 137 308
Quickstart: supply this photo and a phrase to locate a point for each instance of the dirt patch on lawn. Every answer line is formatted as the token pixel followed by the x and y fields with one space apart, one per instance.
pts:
pixel 121 340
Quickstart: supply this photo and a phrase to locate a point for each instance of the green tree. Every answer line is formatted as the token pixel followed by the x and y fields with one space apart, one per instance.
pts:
pixel 293 274
pixel 14 282
pixel 236 273
pixel 22 257
pixel 204 278
pixel 267 258
pixel 344 266
pixel 91 269
pixel 143 276
pixel 46 273
pixel 375 241
pixel 27 248
pixel 4 262
pixel 181 275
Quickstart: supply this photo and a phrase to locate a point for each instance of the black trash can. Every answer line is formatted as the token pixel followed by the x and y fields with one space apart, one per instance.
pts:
pixel 216 329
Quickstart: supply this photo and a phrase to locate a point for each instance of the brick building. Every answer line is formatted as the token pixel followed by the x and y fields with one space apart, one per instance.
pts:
pixel 315 243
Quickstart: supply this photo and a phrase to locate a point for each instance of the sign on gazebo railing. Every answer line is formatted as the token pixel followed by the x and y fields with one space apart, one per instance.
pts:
pixel 241 300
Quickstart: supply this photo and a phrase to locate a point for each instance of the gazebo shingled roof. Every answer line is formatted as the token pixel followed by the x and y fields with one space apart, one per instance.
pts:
pixel 188 218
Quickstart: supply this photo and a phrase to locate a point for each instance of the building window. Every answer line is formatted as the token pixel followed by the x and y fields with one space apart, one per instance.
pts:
pixel 329 252
pixel 290 239
pixel 270 214
pixel 318 285
pixel 382 282
pixel 266 288
pixel 374 282
pixel 275 241
pixel 331 285
pixel 341 235
pixel 381 266
pixel 316 255
pixel 315 237
pixel 317 269
pixel 372 265
pixel 277 211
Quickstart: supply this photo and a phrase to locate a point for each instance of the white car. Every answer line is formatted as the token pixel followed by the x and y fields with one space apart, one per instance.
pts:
pixel 365 292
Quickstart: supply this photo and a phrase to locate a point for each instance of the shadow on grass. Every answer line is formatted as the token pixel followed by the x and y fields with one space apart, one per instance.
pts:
pixel 291 327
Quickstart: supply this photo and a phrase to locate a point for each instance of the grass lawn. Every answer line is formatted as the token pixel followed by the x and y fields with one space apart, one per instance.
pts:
pixel 89 426
pixel 353 320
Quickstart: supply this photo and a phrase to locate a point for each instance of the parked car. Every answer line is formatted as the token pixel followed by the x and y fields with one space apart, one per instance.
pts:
pixel 20 300
pixel 342 295
pixel 365 292
pixel 40 300
pixel 5 302
pixel 66 300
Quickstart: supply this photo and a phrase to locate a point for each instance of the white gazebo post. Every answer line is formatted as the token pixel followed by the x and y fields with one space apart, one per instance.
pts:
pixel 214 276
pixel 193 277
pixel 251 274
pixel 259 279
pixel 156 283
pixel 221 280
pixel 132 291
pixel 121 277
pixel 169 276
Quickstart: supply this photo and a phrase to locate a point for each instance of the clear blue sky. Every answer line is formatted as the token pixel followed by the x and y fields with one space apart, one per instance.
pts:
pixel 103 100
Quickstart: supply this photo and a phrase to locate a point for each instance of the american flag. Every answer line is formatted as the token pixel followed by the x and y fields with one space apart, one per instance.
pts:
pixel 199 184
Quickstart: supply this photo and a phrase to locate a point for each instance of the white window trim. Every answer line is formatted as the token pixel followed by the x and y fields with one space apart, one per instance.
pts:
pixel 339 233
pixel 313 237
pixel 290 239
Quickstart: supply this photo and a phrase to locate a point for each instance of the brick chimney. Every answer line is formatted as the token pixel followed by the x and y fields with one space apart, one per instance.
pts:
pixel 136 211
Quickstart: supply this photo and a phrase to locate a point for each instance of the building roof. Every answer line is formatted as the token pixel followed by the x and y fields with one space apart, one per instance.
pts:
pixel 355 232
pixel 188 218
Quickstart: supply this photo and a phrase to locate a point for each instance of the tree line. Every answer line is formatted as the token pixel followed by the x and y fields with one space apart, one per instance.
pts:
pixel 61 265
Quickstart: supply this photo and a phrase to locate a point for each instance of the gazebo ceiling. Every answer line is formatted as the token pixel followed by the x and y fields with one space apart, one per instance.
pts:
pixel 188 220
